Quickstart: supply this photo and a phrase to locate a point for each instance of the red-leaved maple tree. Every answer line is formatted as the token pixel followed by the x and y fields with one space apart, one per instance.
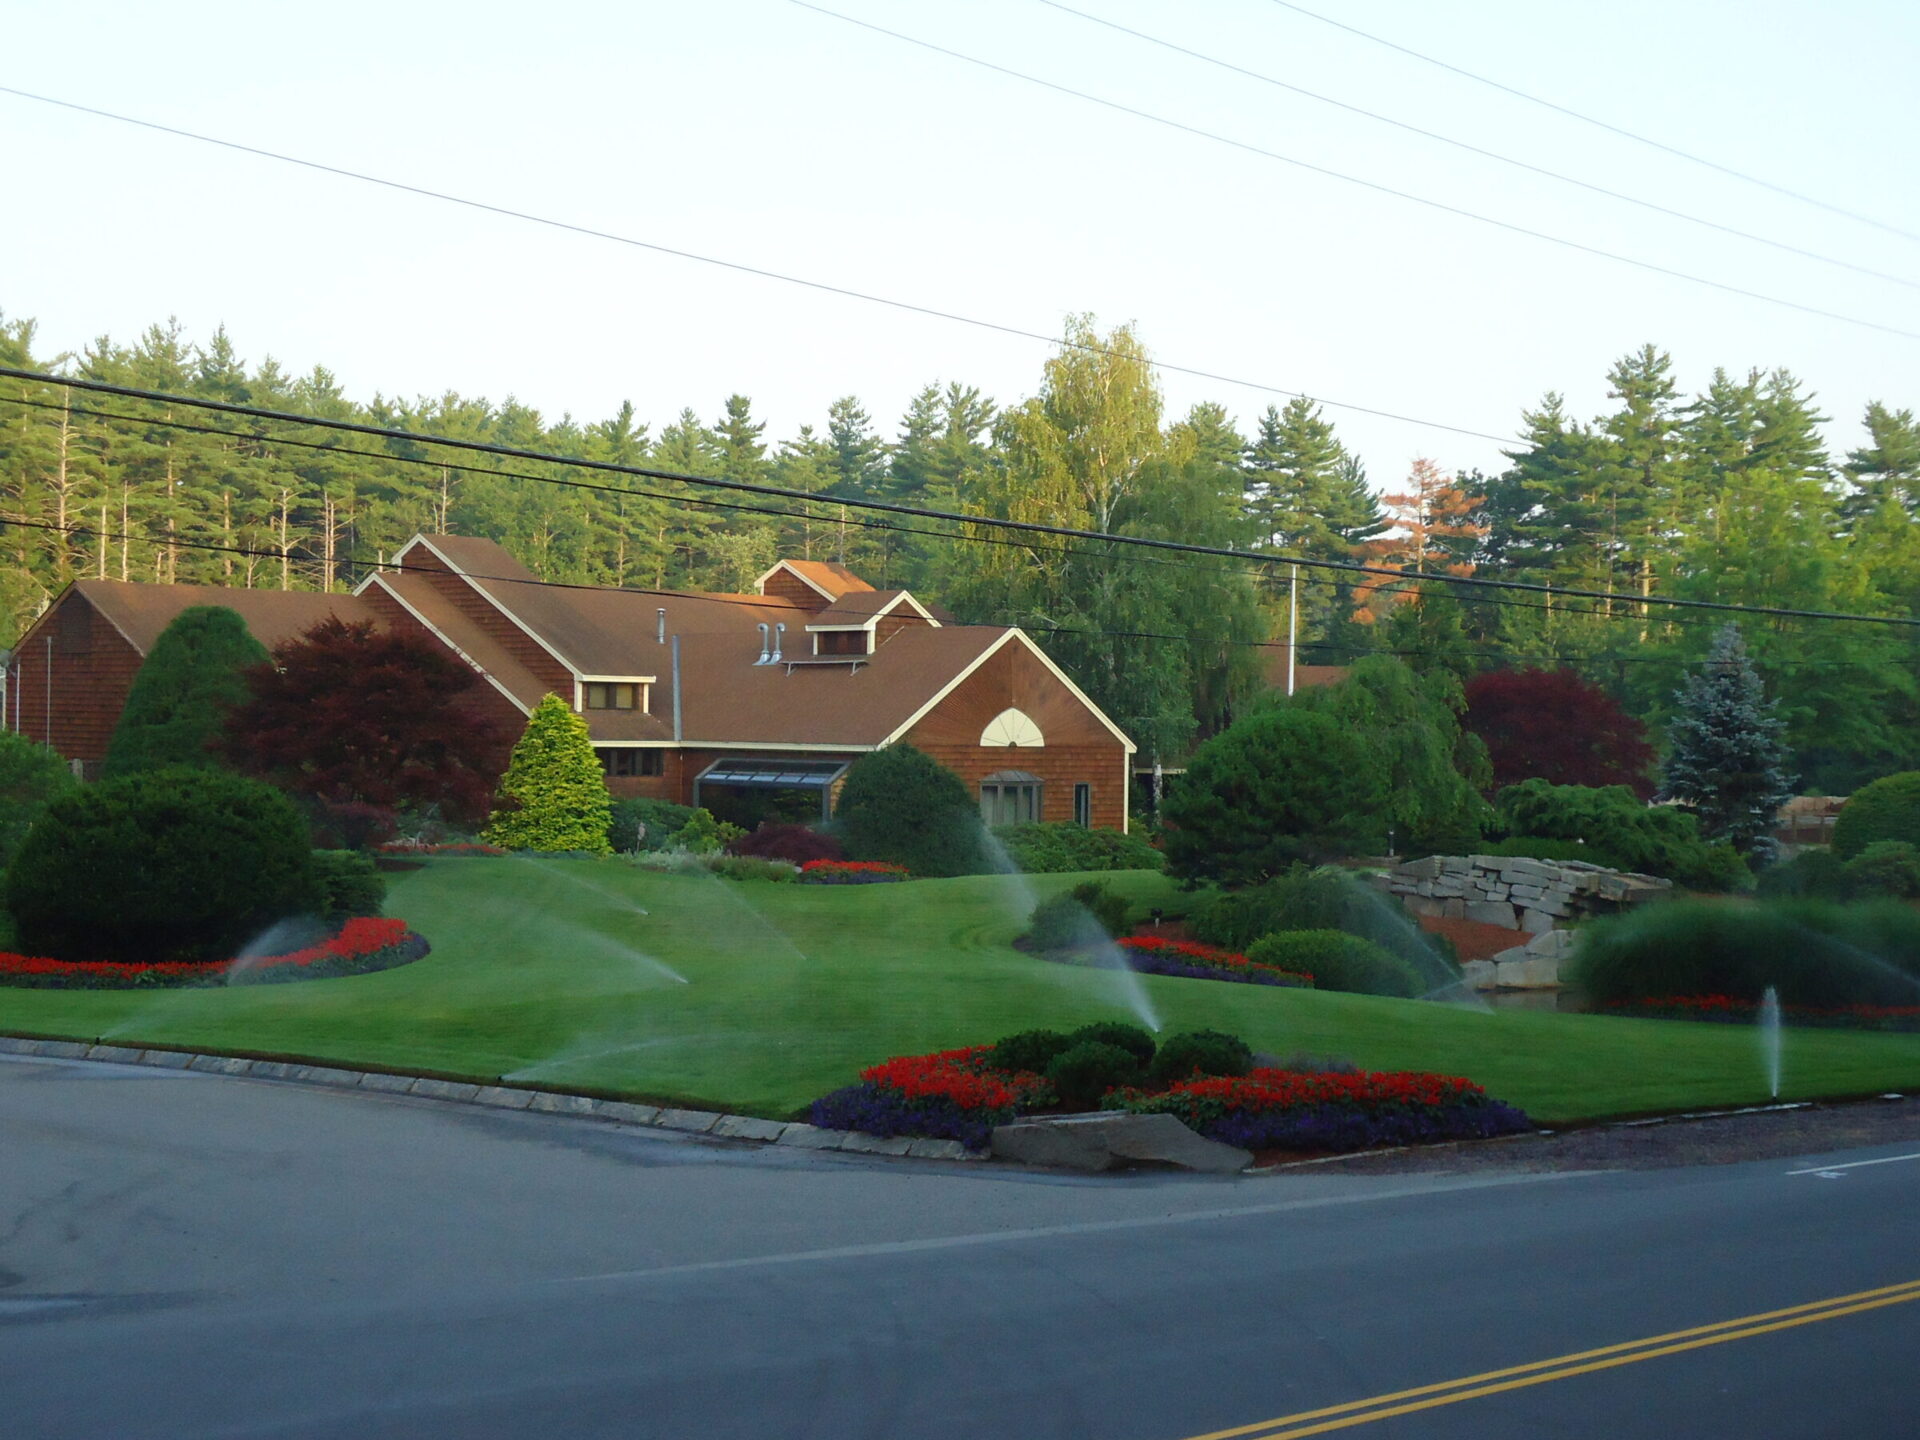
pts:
pixel 1555 725
pixel 365 721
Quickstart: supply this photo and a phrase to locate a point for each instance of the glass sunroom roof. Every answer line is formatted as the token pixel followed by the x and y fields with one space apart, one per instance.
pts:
pixel 781 774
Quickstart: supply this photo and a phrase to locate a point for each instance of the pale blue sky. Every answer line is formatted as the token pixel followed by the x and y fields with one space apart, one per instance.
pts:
pixel 757 131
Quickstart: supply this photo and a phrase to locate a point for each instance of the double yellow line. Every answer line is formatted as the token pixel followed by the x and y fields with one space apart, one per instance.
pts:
pixel 1563 1367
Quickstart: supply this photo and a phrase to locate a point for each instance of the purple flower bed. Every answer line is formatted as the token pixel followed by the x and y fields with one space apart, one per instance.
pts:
pixel 1340 1127
pixel 1146 963
pixel 880 1110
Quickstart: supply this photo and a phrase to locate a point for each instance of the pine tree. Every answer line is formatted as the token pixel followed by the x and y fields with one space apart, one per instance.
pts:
pixel 181 695
pixel 556 798
pixel 1727 756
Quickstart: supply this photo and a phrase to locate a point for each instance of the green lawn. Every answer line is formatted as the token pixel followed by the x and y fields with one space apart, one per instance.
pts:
pixel 544 971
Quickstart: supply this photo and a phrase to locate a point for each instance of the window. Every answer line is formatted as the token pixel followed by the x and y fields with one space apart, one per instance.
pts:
pixel 1010 797
pixel 625 761
pixel 1083 805
pixel 612 695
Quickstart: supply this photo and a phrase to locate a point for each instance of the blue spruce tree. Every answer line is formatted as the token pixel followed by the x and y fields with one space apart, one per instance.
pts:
pixel 1726 758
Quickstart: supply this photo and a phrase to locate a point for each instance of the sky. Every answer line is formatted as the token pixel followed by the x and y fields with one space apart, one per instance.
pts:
pixel 768 134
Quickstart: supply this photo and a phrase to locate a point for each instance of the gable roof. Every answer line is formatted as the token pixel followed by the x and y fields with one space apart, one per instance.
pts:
pixel 831 580
pixel 863 607
pixel 140 611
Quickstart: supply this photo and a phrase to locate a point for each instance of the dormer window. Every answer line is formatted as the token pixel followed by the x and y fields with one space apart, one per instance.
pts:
pixel 614 695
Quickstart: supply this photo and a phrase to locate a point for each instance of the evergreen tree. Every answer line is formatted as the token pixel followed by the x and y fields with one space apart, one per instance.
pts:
pixel 1727 758
pixel 859 455
pixel 553 796
pixel 181 694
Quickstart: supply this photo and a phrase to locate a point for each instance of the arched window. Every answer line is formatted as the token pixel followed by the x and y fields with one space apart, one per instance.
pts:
pixel 1012 727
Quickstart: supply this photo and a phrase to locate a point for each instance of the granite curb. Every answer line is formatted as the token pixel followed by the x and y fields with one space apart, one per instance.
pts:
pixel 708 1123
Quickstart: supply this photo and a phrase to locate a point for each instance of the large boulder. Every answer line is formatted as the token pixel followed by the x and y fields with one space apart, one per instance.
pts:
pixel 1104 1139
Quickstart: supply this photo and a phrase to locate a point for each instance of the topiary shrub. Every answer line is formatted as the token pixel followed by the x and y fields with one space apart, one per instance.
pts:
pixel 1889 868
pixel 171 865
pixel 32 776
pixel 902 806
pixel 1810 875
pixel 1888 809
pixel 1057 848
pixel 1199 1052
pixel 351 883
pixel 1085 915
pixel 1814 953
pixel 553 796
pixel 1339 961
pixel 1084 1073
pixel 1130 1038
pixel 177 707
pixel 796 844
pixel 1030 1050
pixel 634 825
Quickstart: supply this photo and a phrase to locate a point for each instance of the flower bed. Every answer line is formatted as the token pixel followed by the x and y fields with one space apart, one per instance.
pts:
pixel 1727 1010
pixel 852 872
pixel 1292 1110
pixel 958 1095
pixel 408 849
pixel 949 1095
pixel 1189 959
pixel 364 944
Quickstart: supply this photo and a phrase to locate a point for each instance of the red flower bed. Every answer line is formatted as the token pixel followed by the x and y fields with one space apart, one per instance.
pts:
pixel 1729 1010
pixel 960 1076
pixel 852 872
pixel 364 943
pixel 1157 955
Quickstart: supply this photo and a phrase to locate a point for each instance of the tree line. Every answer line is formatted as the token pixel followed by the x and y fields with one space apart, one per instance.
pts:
pixel 1729 495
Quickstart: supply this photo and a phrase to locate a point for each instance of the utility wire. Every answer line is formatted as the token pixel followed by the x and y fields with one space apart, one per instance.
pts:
pixel 1025 527
pixel 1408 195
pixel 1473 149
pixel 400 566
pixel 739 267
pixel 1602 124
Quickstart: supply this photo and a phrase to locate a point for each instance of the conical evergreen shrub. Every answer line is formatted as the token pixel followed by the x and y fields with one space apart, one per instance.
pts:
pixel 182 692
pixel 553 797
pixel 1727 761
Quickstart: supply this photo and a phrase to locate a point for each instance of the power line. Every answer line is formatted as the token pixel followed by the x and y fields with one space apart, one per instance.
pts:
pixel 1408 195
pixel 1031 527
pixel 1473 149
pixel 1602 124
pixel 741 268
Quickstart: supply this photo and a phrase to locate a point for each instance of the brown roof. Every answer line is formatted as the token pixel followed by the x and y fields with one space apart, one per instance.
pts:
pixel 856 609
pixel 1305 677
pixel 835 581
pixel 418 594
pixel 141 611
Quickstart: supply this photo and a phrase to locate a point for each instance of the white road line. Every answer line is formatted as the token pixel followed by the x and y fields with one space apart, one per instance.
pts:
pixel 1853 1164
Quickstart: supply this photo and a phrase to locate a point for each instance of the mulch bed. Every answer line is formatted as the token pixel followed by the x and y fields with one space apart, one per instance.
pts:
pixel 1474 939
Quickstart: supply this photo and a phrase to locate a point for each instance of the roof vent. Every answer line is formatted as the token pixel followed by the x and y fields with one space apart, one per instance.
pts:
pixel 660 625
pixel 779 635
pixel 765 645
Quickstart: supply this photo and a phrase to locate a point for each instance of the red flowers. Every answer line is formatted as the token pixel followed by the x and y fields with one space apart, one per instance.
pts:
pixel 957 1076
pixel 360 936
pixel 1182 953
pixel 1283 1089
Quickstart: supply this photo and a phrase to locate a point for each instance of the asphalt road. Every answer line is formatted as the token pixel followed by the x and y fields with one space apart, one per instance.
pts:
pixel 188 1255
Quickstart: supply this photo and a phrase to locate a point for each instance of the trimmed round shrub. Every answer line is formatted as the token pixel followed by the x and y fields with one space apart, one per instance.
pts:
pixel 1889 868
pixel 553 799
pixel 1327 898
pixel 1888 809
pixel 1130 1038
pixel 1085 915
pixel 1030 1050
pixel 350 882
pixel 645 824
pixel 1810 875
pixel 1056 848
pixel 902 806
pixel 1084 1073
pixel 170 865
pixel 796 844
pixel 32 776
pixel 1814 953
pixel 1200 1052
pixel 1339 961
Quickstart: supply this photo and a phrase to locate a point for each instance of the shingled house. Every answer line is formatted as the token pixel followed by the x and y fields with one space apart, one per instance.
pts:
pixel 697 698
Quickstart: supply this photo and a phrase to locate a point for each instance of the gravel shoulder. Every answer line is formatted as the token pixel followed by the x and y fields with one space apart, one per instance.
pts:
pixel 1724 1139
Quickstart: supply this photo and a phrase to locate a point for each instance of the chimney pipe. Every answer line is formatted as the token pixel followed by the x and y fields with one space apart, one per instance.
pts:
pixel 676 689
pixel 765 646
pixel 779 634
pixel 660 625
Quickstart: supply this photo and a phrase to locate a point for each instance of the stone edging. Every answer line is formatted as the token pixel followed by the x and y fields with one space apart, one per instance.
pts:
pixel 711 1123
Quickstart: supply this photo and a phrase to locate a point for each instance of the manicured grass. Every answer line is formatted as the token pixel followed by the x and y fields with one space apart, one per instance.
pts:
pixel 544 971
